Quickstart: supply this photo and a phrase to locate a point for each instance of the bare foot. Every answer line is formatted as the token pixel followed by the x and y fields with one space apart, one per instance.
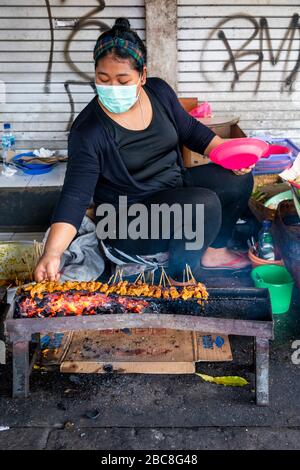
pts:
pixel 181 284
pixel 216 257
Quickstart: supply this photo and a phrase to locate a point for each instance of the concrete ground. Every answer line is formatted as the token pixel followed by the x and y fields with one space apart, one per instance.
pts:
pixel 160 412
pixel 109 412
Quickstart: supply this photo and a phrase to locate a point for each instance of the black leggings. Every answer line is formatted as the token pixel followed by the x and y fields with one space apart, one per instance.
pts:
pixel 224 196
pixel 233 192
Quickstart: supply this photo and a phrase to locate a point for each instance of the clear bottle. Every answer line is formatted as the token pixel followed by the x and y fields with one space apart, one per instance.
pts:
pixel 265 242
pixel 8 144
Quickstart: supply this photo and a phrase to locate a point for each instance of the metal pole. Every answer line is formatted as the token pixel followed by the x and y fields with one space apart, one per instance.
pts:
pixel 262 371
pixel 21 369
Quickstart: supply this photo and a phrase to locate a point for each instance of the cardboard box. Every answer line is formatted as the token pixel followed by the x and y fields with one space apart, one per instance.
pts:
pixel 148 351
pixel 226 130
pixel 225 126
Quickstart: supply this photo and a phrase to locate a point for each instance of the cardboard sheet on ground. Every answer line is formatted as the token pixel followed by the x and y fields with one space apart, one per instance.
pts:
pixel 150 351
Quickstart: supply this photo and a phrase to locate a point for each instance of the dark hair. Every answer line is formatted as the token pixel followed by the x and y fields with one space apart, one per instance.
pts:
pixel 122 30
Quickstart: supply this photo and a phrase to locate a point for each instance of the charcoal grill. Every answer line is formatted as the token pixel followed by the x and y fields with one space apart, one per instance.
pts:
pixel 229 311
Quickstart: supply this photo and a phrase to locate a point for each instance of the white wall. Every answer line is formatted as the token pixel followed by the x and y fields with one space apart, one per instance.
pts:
pixel 37 102
pixel 202 55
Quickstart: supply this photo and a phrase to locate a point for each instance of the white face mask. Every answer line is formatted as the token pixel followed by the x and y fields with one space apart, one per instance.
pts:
pixel 118 98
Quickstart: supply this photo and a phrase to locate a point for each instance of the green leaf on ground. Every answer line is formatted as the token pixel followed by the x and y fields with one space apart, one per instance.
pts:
pixel 229 380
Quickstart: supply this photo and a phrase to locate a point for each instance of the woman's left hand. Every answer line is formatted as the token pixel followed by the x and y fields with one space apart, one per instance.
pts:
pixel 243 171
pixel 216 141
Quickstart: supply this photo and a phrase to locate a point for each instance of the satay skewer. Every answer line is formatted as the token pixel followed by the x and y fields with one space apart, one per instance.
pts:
pixel 124 288
pixel 187 273
pixel 166 277
pixel 138 278
pixel 116 275
pixel 191 273
pixel 161 278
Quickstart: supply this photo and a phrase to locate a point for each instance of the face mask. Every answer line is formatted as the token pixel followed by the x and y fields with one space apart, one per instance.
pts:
pixel 117 98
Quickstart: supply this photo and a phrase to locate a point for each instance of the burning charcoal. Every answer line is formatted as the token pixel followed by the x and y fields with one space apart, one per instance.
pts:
pixel 99 310
pixel 118 309
pixel 109 311
pixel 92 414
pixel 41 303
pixel 154 307
pixel 37 302
pixel 47 312
pixel 88 311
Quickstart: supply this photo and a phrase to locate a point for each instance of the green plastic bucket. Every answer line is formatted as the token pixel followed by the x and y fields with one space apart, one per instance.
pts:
pixel 279 282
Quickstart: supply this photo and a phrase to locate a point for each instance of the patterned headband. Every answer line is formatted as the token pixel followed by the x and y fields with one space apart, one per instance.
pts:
pixel 108 42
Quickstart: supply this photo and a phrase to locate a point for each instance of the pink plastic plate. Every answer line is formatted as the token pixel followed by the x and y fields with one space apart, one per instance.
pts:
pixel 242 153
pixel 296 185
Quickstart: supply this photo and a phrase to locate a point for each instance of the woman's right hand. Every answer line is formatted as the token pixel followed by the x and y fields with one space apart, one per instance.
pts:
pixel 47 268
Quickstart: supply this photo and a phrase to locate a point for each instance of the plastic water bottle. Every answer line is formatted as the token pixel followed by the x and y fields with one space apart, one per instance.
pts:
pixel 8 143
pixel 265 242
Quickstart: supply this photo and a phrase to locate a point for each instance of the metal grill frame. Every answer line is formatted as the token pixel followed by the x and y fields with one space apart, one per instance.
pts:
pixel 21 331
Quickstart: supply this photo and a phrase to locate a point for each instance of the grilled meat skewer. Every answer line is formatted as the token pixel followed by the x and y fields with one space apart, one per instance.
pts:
pixel 122 288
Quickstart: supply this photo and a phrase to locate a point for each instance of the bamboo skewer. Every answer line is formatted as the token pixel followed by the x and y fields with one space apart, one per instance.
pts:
pixel 165 276
pixel 115 276
pixel 191 274
pixel 118 275
pixel 161 278
pixel 194 280
pixel 187 272
pixel 138 278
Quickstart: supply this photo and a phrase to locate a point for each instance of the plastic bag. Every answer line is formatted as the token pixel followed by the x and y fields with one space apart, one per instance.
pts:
pixel 202 110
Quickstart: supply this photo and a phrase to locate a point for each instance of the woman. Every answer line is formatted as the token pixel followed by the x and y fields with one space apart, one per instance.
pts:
pixel 126 142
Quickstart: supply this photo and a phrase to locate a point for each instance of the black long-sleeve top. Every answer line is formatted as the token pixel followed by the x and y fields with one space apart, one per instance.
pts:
pixel 96 168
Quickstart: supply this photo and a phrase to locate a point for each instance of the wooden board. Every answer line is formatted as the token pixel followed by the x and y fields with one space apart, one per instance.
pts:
pixel 213 348
pixel 155 351
pixel 54 347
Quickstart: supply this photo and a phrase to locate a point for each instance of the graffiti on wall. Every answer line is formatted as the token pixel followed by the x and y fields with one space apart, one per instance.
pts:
pixel 85 79
pixel 257 56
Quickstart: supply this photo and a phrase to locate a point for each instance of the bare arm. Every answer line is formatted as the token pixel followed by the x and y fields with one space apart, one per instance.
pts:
pixel 217 141
pixel 60 236
pixel 214 143
pixel 81 177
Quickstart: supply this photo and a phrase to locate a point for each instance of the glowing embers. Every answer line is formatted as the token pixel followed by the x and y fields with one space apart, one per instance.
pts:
pixel 52 299
pixel 58 304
